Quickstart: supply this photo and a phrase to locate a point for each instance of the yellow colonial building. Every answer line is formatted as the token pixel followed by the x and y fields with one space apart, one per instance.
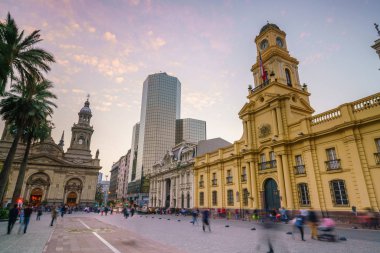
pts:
pixel 288 157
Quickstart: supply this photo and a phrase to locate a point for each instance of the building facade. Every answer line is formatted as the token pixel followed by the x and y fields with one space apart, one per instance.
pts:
pixel 52 175
pixel 288 157
pixel 114 182
pixel 190 130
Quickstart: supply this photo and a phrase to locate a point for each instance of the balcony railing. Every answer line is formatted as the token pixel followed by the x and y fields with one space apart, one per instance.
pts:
pixel 229 179
pixel 268 165
pixel 333 164
pixel 214 182
pixel 377 157
pixel 244 178
pixel 299 169
pixel 201 184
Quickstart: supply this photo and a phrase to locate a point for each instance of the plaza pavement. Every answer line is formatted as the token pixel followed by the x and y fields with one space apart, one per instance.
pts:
pixel 81 232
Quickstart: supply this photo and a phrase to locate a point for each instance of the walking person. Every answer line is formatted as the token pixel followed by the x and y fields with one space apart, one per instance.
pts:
pixel 206 220
pixel 313 223
pixel 132 211
pixel 299 222
pixel 13 214
pixel 39 213
pixel 27 213
pixel 63 210
pixel 54 215
pixel 194 214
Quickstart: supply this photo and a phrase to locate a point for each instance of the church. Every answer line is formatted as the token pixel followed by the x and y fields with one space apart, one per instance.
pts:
pixel 288 157
pixel 55 177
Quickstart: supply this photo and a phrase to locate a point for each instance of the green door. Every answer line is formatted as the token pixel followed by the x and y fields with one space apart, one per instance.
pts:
pixel 272 198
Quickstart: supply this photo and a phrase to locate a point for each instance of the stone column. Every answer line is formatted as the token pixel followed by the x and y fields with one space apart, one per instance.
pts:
pixel 280 176
pixel 275 122
pixel 288 183
pixel 254 193
pixel 279 121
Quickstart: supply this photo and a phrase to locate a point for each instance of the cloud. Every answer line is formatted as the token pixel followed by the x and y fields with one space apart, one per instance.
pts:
pixel 314 58
pixel 304 35
pixel 133 2
pixel 119 79
pixel 329 20
pixel 78 91
pixel 108 36
pixel 155 42
pixel 69 46
pixel 200 100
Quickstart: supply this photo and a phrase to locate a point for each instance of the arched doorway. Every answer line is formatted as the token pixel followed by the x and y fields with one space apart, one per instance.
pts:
pixel 272 198
pixel 36 196
pixel 72 199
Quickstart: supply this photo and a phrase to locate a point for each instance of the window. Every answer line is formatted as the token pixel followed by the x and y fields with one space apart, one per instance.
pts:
pixel 201 198
pixel 201 182
pixel 338 192
pixel 214 180
pixel 262 164
pixel 272 157
pixel 245 197
pixel 288 79
pixel 230 197
pixel 377 154
pixel 332 163
pixel 188 200
pixel 303 194
pixel 244 174
pixel 214 198
pixel 182 200
pixel 229 177
pixel 300 167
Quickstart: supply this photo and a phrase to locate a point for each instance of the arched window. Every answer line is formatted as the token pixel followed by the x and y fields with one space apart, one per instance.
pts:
pixel 303 194
pixel 288 78
pixel 188 200
pixel 338 192
pixel 201 198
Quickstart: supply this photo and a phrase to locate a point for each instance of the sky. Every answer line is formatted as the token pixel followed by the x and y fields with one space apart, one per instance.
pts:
pixel 107 48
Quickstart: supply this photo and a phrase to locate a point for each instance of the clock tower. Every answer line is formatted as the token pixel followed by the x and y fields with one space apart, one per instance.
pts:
pixel 81 133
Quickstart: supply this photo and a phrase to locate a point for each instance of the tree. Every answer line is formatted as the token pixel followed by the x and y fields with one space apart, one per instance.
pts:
pixel 18 55
pixel 99 195
pixel 25 104
pixel 37 132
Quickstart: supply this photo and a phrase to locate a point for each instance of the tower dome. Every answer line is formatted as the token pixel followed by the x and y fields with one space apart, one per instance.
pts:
pixel 86 108
pixel 267 26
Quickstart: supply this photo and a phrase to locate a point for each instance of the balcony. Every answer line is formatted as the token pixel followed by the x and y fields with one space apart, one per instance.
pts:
pixel 201 184
pixel 244 178
pixel 333 164
pixel 299 169
pixel 268 165
pixel 377 157
pixel 229 180
pixel 214 182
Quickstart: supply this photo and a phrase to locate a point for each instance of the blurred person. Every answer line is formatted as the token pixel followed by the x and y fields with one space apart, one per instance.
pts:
pixel 313 223
pixel 12 218
pixel 39 213
pixel 54 215
pixel 299 222
pixel 195 214
pixel 27 213
pixel 206 220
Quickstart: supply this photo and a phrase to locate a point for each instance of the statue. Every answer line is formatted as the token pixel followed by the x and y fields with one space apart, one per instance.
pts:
pixel 377 29
pixel 97 154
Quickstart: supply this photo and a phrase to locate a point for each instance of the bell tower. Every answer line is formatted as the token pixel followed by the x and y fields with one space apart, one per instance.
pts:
pixel 274 59
pixel 81 133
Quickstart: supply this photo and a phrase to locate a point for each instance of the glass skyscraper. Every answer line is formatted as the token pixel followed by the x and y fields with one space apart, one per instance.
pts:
pixel 161 104
pixel 190 130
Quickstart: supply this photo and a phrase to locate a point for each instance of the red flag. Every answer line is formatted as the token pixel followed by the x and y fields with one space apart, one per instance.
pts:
pixel 262 70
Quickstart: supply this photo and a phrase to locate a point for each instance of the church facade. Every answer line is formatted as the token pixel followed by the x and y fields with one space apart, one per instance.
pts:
pixel 55 177
pixel 288 157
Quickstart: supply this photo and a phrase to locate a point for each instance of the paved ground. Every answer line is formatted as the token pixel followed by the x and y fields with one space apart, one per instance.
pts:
pixel 169 234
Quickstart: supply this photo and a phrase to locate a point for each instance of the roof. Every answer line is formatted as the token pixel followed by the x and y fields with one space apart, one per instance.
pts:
pixel 267 26
pixel 207 146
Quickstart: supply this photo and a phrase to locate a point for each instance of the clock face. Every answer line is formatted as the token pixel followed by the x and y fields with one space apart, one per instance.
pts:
pixel 279 42
pixel 264 44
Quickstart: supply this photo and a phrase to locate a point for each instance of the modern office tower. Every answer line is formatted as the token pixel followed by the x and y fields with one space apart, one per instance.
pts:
pixel 161 103
pixel 134 147
pixel 190 130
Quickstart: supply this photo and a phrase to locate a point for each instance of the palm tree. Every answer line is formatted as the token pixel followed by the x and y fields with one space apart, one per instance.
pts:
pixel 25 104
pixel 19 56
pixel 39 131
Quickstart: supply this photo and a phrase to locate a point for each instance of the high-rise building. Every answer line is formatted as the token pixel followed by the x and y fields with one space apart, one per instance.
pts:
pixel 190 130
pixel 133 158
pixel 161 105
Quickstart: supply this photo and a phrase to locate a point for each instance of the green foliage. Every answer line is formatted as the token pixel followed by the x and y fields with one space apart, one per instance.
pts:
pixel 4 213
pixel 99 195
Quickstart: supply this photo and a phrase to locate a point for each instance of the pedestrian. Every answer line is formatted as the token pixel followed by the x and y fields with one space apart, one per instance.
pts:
pixel 27 213
pixel 63 210
pixel 13 214
pixel 194 214
pixel 39 213
pixel 125 211
pixel 313 223
pixel 106 210
pixel 132 211
pixel 54 214
pixel 206 220
pixel 284 216
pixel 299 222
pixel 255 215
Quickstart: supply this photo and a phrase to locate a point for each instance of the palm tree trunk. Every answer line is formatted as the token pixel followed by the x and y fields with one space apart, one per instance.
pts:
pixel 4 175
pixel 21 173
